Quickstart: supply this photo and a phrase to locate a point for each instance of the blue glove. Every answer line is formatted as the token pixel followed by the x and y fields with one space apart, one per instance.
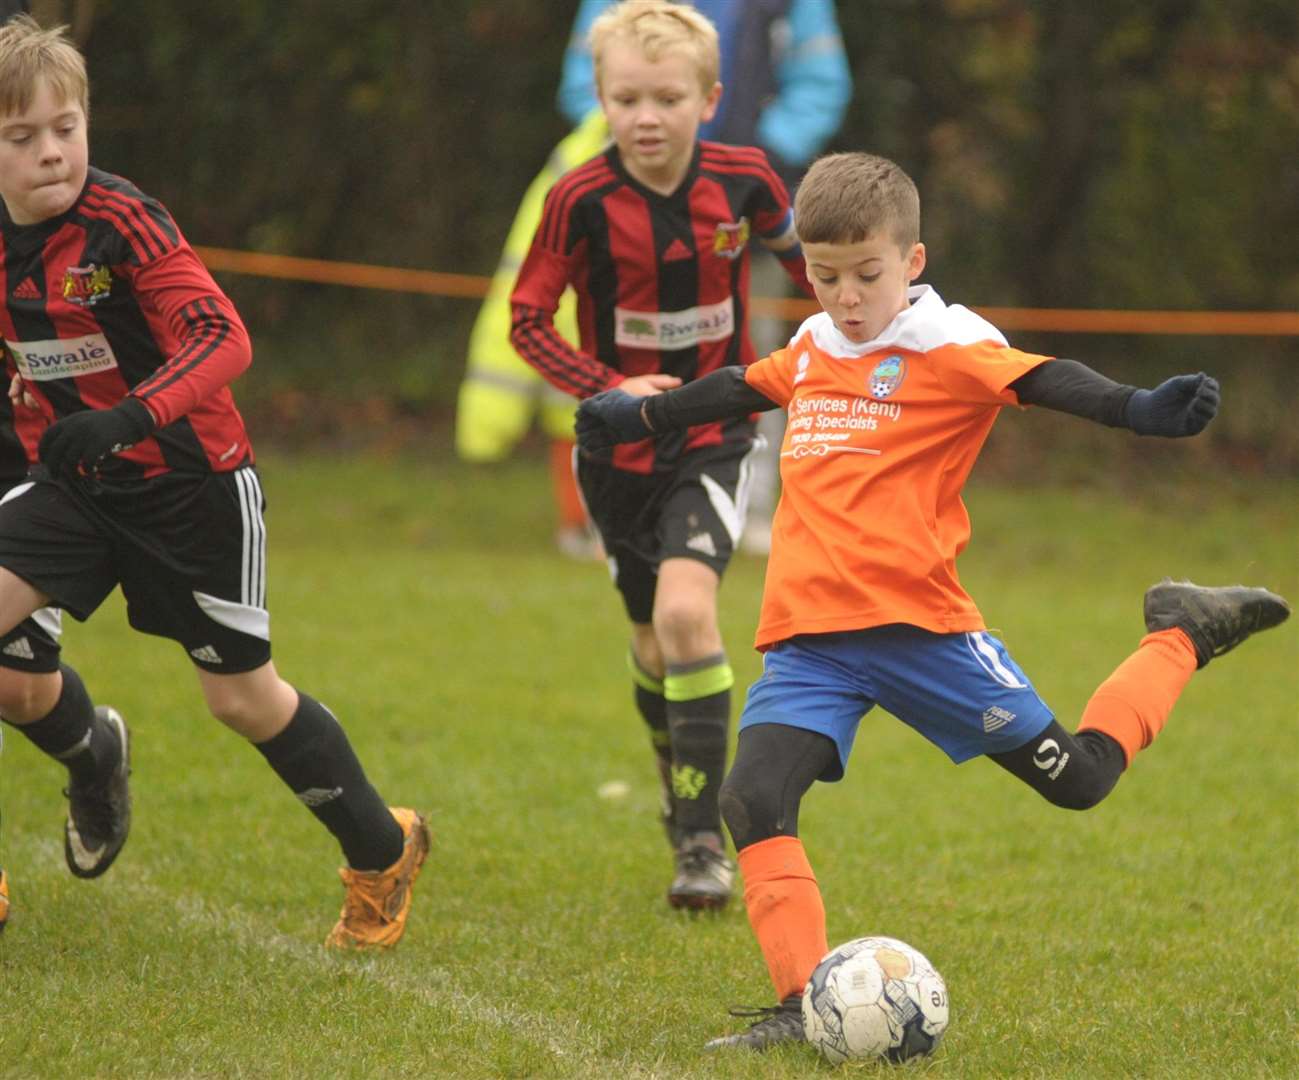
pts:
pixel 78 443
pixel 608 418
pixel 1182 405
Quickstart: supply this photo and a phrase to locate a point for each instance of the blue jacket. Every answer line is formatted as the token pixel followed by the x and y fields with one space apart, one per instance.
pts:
pixel 784 72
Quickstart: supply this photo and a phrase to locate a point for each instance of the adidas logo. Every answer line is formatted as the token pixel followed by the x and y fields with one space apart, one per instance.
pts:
pixel 702 542
pixel 21 648
pixel 207 654
pixel 317 796
pixel 676 251
pixel 27 290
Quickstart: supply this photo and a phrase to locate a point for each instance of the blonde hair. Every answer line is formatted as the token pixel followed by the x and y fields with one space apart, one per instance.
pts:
pixel 29 54
pixel 657 26
pixel 845 198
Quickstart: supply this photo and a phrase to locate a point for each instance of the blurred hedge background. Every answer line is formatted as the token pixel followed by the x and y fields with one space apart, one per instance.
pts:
pixel 1100 154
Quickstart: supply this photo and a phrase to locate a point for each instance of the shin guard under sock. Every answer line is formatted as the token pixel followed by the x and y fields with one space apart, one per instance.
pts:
pixel 313 756
pixel 699 716
pixel 785 911
pixel 653 708
pixel 1132 705
pixel 70 733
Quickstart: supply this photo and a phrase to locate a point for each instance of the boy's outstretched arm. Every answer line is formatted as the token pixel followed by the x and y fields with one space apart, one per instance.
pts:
pixel 615 416
pixel 1177 407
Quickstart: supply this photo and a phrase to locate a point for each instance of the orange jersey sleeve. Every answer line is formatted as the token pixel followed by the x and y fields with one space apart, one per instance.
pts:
pixel 879 442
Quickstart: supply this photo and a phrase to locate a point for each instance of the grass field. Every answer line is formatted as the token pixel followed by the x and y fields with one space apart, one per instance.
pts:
pixel 481 679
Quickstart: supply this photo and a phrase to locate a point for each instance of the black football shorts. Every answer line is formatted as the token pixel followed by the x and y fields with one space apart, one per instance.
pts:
pixel 696 511
pixel 189 552
pixel 33 645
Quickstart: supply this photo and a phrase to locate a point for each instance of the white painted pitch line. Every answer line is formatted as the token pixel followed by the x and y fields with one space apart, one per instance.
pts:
pixel 564 1039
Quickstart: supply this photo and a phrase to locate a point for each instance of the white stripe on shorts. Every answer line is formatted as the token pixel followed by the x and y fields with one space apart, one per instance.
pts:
pixel 246 618
pixel 986 654
pixel 253 567
pixel 732 512
pixel 50 620
pixel 14 492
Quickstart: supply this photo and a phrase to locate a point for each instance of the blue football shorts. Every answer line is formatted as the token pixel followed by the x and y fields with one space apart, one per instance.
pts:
pixel 962 691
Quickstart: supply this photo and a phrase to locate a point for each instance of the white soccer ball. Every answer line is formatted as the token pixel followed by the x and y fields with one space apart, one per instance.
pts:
pixel 874 997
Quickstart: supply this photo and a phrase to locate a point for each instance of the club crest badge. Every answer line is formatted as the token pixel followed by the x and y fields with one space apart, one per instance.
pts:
pixel 730 238
pixel 887 376
pixel 87 285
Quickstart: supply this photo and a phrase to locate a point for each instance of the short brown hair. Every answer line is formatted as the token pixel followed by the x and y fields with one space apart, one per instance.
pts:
pixel 845 198
pixel 656 26
pixel 29 54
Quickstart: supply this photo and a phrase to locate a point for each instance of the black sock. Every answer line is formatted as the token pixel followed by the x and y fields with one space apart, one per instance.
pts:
pixel 70 733
pixel 653 708
pixel 699 716
pixel 312 755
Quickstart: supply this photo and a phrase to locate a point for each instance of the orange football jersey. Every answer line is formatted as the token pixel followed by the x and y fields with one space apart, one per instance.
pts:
pixel 880 439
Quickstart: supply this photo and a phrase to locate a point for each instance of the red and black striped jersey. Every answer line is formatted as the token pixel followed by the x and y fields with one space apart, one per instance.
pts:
pixel 13 457
pixel 662 281
pixel 108 299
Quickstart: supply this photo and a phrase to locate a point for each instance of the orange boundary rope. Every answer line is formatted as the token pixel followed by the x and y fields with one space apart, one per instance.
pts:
pixel 473 286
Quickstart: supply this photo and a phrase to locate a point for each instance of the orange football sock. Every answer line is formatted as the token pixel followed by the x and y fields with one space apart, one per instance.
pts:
pixel 568 500
pixel 1133 703
pixel 785 910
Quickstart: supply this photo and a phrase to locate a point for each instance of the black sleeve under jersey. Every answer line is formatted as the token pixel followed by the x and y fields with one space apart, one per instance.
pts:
pixel 719 395
pixel 1070 387
pixel 1064 385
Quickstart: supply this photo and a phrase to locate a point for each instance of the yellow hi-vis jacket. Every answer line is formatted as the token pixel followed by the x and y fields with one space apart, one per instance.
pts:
pixel 500 392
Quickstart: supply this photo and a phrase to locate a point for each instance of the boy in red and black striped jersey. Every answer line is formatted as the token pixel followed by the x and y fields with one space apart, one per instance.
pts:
pixel 653 237
pixel 121 347
pixel 33 678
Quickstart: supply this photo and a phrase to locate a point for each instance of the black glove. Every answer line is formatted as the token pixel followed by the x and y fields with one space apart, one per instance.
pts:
pixel 82 440
pixel 1182 405
pixel 608 418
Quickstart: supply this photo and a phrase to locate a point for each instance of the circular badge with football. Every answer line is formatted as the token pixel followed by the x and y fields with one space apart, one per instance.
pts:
pixel 887 376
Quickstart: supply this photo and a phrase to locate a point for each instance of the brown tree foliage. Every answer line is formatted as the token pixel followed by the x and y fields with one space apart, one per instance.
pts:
pixel 1105 154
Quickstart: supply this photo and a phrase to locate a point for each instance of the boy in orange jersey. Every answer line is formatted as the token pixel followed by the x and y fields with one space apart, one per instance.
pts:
pixel 653 237
pixel 890 394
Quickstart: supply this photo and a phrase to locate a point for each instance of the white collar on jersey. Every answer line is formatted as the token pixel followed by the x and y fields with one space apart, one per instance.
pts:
pixel 926 324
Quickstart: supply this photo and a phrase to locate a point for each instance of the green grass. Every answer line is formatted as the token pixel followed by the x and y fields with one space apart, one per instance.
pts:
pixel 481 678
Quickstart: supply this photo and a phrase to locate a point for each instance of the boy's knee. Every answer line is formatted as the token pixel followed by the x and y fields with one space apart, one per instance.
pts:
pixel 234 710
pixel 734 808
pixel 678 615
pixel 751 813
pixel 26 697
pixel 250 713
pixel 1083 790
pixel 684 623
pixel 1078 774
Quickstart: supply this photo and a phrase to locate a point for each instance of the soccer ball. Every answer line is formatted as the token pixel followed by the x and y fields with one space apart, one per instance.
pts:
pixel 874 997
